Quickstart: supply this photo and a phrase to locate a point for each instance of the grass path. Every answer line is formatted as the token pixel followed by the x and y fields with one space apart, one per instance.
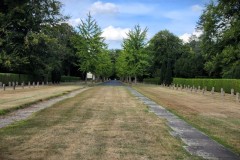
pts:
pixel 100 123
pixel 214 115
pixel 11 99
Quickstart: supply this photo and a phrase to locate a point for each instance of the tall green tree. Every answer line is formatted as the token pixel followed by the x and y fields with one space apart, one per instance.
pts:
pixel 89 44
pixel 114 54
pixel 137 56
pixel 191 62
pixel 221 38
pixel 104 66
pixel 51 52
pixel 165 48
pixel 20 19
pixel 122 68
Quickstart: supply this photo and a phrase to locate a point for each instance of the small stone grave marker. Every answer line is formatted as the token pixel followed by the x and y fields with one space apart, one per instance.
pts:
pixel 222 92
pixel 232 92
pixel 212 91
pixel 14 85
pixel 203 91
pixel 237 97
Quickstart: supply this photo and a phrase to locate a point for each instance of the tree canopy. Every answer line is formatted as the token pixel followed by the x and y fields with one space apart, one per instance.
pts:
pixel 221 38
pixel 135 54
pixel 36 39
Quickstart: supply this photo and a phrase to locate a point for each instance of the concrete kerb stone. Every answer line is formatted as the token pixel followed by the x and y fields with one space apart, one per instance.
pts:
pixel 197 143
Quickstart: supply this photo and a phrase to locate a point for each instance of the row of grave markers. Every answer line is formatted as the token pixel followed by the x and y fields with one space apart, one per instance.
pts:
pixel 16 84
pixel 203 90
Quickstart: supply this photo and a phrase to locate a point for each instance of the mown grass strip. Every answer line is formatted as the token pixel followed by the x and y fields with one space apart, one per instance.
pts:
pixel 9 110
pixel 223 127
pixel 101 123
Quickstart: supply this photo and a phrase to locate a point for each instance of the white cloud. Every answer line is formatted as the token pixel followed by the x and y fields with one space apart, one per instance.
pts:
pixel 196 8
pixel 185 37
pixel 74 22
pixel 103 8
pixel 197 33
pixel 115 34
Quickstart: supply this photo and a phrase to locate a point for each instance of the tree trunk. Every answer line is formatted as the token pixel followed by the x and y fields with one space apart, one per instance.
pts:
pixel 135 79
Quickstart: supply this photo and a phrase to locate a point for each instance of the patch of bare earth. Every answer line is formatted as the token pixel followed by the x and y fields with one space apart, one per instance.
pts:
pixel 217 116
pixel 100 123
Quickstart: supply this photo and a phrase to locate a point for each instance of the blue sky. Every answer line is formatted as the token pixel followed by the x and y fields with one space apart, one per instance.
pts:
pixel 116 17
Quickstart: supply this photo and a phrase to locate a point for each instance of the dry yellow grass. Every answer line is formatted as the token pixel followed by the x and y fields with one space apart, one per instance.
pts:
pixel 14 98
pixel 100 123
pixel 217 116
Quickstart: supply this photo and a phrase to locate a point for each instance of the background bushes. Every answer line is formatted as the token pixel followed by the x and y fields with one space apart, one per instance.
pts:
pixel 69 79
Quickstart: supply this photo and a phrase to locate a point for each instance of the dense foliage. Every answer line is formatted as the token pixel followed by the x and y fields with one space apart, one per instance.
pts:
pixel 33 41
pixel 134 59
pixel 91 49
pixel 215 54
pixel 220 41
pixel 36 40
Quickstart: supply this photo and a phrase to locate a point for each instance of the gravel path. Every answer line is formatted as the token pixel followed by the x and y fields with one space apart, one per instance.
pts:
pixel 22 114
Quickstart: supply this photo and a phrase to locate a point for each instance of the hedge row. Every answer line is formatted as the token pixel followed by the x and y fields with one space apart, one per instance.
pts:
pixel 69 79
pixel 226 84
pixel 152 80
pixel 12 77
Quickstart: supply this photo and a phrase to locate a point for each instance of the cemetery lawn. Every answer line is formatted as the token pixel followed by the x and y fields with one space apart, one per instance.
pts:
pixel 14 99
pixel 218 117
pixel 100 123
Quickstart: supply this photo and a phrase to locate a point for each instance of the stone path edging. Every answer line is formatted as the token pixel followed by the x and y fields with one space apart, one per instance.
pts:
pixel 197 143
pixel 24 113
